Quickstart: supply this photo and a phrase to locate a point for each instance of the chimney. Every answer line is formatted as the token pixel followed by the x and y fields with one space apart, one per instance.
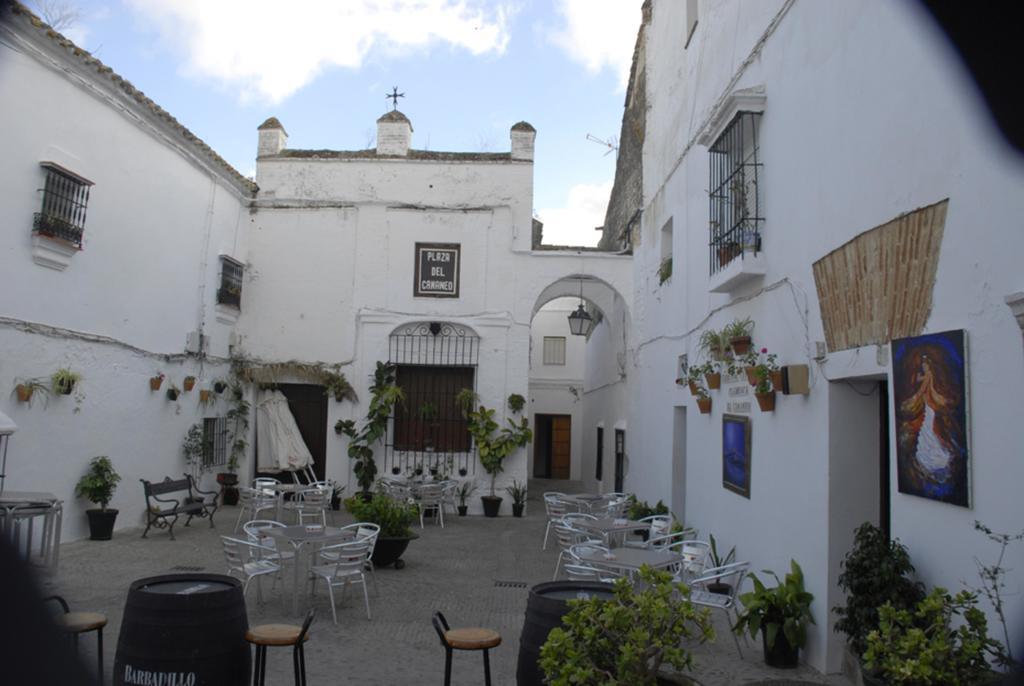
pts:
pixel 272 138
pixel 394 134
pixel 522 141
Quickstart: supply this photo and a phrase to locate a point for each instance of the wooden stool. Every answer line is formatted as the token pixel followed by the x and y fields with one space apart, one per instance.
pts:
pixel 465 639
pixel 280 635
pixel 75 623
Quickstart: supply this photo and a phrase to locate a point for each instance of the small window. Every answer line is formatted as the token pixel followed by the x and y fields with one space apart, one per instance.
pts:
pixel 65 198
pixel 736 212
pixel 554 350
pixel 215 442
pixel 230 291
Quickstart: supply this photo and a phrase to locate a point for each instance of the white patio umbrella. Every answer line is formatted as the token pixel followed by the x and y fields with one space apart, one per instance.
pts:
pixel 278 442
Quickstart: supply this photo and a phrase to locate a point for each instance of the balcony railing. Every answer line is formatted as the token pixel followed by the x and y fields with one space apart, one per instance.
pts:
pixel 54 227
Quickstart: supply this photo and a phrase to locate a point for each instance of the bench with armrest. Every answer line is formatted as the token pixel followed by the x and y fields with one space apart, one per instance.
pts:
pixel 164 512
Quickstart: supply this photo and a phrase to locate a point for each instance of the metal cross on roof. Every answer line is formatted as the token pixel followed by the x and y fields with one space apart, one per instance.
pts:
pixel 394 96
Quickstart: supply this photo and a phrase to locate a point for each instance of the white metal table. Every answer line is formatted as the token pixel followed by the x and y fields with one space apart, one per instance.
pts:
pixel 607 526
pixel 298 536
pixel 23 507
pixel 629 560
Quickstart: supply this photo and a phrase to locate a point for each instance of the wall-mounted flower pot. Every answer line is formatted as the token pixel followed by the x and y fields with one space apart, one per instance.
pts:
pixel 694 388
pixel 714 380
pixel 155 382
pixel 776 377
pixel 740 345
pixel 189 383
pixel 705 405
pixel 766 401
pixel 66 388
pixel 219 387
pixel 172 393
pixel 205 395
pixel 24 393
pixel 751 375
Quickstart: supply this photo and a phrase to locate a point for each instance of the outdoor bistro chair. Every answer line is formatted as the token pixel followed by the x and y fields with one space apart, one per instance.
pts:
pixel 266 485
pixel 362 531
pixel 264 635
pixel 556 508
pixel 464 639
pixel 250 561
pixel 732 576
pixel 251 502
pixel 252 531
pixel 695 556
pixel 348 567
pixel 657 525
pixel 567 537
pixel 431 497
pixel 311 503
pixel 76 623
pixel 582 572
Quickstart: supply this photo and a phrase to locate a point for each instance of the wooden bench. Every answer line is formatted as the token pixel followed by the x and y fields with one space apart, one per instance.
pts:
pixel 164 512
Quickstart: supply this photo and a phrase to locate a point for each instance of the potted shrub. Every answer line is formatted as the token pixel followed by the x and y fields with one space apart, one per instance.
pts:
pixel 463 471
pixel 189 383
pixel 97 486
pixel 781 614
pixel 628 639
pixel 193 447
pixel 516 402
pixel 396 470
pixel 156 381
pixel 714 345
pixel 703 401
pixel 764 391
pixel 693 379
pixel 494 446
pixel 219 386
pixel 716 560
pixel 739 334
pixel 920 646
pixel 518 493
pixel 63 381
pixel 465 489
pixel 173 392
pixel 26 389
pixel 394 518
pixel 876 571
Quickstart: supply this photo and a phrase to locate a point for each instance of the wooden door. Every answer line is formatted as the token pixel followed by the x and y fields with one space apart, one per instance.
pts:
pixel 561 444
pixel 308 405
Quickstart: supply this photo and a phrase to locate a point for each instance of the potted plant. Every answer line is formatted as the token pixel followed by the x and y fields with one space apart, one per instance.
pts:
pixel 712 374
pixel 219 386
pixel 63 381
pixel 156 381
pixel 764 391
pixel 703 401
pixel 337 385
pixel 920 646
pixel 394 519
pixel 336 491
pixel 518 492
pixel 628 639
pixel 97 486
pixel 26 389
pixel 876 571
pixel 693 379
pixel 781 614
pixel 229 482
pixel 189 383
pixel 205 396
pixel 516 402
pixel 463 471
pixel 385 394
pixel 714 345
pixel 716 560
pixel 494 446
pixel 396 470
pixel 194 450
pixel 339 426
pixel 465 489
pixel 739 335
pixel 173 392
pixel 727 252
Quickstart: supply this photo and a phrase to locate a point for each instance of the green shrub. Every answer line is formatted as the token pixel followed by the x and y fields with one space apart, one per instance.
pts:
pixel 624 641
pixel 98 484
pixel 638 509
pixel 393 517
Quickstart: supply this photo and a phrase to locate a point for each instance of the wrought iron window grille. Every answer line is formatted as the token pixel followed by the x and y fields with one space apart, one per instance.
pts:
pixel 736 202
pixel 230 291
pixel 65 199
pixel 215 441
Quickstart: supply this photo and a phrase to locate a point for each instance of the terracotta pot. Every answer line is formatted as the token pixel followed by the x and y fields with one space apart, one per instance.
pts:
pixel 740 345
pixel 693 388
pixel 189 384
pixel 777 379
pixel 766 401
pixel 205 395
pixel 727 253
pixel 705 405
pixel 751 375
pixel 24 393
pixel 155 382
pixel 714 380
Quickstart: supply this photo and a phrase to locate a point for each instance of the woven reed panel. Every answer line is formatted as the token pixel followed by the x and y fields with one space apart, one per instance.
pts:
pixel 879 285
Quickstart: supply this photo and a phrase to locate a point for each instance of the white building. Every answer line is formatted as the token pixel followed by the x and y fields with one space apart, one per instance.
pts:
pixel 155 256
pixel 854 117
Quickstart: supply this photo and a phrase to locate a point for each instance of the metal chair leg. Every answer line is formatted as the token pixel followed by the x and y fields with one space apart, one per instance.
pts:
pixel 99 651
pixel 487 667
pixel 448 667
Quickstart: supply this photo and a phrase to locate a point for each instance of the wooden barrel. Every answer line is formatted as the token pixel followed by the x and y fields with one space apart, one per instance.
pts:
pixel 544 610
pixel 184 630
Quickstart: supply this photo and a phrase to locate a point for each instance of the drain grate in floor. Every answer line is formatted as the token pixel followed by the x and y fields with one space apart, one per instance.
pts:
pixel 510 584
pixel 186 568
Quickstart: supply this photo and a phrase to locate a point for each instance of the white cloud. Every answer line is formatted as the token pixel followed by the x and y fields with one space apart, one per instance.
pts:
pixel 574 224
pixel 600 33
pixel 269 49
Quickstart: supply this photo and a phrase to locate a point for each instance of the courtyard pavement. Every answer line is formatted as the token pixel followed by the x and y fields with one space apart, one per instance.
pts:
pixel 458 570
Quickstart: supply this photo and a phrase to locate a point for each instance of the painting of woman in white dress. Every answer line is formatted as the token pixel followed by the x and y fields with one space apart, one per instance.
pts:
pixel 930 393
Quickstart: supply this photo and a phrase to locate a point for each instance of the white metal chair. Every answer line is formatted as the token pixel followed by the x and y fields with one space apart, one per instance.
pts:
pixel 556 508
pixel 251 502
pixel 431 497
pixel 250 561
pixel 695 556
pixel 311 503
pixel 657 525
pixel 252 530
pixel 363 531
pixel 582 572
pixel 567 537
pixel 348 567
pixel 731 575
pixel 449 499
pixel 266 485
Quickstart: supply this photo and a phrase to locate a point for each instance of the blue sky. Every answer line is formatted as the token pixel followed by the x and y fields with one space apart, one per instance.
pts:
pixel 469 69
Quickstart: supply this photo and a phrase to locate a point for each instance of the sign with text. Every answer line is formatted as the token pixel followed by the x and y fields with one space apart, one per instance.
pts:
pixel 437 270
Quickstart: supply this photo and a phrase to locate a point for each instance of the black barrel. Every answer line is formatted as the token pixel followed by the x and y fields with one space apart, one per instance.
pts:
pixel 184 630
pixel 544 610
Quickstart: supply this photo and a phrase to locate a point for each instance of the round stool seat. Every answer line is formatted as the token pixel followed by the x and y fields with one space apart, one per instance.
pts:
pixel 79 622
pixel 474 638
pixel 274 634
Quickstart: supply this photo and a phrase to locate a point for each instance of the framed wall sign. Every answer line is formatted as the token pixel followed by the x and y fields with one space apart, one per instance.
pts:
pixel 437 270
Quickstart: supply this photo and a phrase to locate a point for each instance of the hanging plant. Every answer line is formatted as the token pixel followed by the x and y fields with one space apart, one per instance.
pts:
pixel 712 375
pixel 31 388
pixel 516 402
pixel 219 386
pixel 63 381
pixel 173 392
pixel 189 383
pixel 337 385
pixel 156 381
pixel 704 401
pixel 738 334
pixel 384 395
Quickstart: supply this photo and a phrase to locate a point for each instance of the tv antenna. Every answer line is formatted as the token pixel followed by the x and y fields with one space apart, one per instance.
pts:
pixel 612 143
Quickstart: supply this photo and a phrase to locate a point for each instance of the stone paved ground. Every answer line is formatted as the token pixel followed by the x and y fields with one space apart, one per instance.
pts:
pixel 453 570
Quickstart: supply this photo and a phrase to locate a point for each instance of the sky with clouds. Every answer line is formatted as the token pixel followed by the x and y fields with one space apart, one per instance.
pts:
pixel 469 69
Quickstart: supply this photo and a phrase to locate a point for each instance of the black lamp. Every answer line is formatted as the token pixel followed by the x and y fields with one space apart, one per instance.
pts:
pixel 580 322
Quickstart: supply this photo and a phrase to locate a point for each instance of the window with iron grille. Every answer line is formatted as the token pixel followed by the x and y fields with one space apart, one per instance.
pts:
pixel 430 419
pixel 736 201
pixel 554 350
pixel 65 198
pixel 215 442
pixel 230 291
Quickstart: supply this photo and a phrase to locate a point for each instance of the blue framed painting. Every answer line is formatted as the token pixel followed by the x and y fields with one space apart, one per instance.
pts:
pixel 930 396
pixel 736 454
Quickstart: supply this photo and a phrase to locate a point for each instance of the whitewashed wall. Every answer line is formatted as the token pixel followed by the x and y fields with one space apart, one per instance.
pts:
pixel 158 217
pixel 867 117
